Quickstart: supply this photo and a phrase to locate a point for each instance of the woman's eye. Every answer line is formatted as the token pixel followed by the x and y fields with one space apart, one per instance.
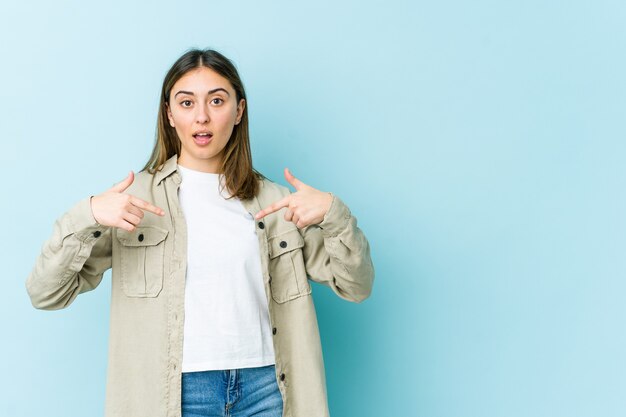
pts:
pixel 185 101
pixel 218 99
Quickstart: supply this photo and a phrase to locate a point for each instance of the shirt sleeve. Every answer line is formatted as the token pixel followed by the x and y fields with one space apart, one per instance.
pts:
pixel 72 261
pixel 337 253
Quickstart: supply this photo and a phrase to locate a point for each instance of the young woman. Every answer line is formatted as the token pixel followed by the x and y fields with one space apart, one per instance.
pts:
pixel 211 306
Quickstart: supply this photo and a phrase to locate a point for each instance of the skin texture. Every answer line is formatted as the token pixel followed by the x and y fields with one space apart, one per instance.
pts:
pixel 125 211
pixel 304 207
pixel 198 109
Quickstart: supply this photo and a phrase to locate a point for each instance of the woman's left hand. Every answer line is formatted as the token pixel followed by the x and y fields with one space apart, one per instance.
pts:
pixel 304 207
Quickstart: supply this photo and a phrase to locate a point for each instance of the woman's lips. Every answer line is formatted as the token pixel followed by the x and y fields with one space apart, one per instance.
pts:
pixel 201 140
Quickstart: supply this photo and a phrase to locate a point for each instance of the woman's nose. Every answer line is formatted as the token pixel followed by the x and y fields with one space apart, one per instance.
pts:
pixel 203 113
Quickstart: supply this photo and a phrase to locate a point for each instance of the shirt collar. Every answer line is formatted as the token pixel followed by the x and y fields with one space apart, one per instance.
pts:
pixel 169 167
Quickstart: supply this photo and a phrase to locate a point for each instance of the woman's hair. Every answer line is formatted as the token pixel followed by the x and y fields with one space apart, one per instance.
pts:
pixel 239 175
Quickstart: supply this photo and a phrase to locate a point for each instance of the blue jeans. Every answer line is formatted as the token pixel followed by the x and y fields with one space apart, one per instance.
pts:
pixel 234 392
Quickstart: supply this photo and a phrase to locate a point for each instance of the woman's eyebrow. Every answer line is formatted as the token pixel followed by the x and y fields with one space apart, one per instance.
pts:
pixel 210 91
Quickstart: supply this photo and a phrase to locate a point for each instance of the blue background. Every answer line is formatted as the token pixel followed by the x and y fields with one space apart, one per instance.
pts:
pixel 479 144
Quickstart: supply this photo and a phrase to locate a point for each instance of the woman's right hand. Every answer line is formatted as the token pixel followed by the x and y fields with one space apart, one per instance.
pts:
pixel 114 208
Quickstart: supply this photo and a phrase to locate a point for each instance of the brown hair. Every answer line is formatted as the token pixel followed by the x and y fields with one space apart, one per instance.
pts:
pixel 240 177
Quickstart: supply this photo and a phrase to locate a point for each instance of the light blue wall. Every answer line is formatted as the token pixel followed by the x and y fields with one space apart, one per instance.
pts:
pixel 481 146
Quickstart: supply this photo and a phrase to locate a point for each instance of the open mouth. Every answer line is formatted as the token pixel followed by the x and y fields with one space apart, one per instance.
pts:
pixel 202 138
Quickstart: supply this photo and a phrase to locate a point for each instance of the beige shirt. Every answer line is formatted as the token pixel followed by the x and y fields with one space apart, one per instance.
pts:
pixel 148 283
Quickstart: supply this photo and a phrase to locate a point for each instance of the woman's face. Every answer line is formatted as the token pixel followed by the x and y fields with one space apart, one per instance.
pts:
pixel 202 101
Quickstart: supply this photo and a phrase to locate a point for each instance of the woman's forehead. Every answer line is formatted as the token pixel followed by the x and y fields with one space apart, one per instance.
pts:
pixel 202 80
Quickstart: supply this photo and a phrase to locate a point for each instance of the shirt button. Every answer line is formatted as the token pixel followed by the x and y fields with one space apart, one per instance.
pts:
pixel 261 225
pixel 283 244
pixel 274 330
pixel 282 377
pixel 97 233
pixel 140 237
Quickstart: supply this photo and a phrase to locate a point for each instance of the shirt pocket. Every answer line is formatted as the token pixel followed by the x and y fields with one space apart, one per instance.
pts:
pixel 142 260
pixel 288 278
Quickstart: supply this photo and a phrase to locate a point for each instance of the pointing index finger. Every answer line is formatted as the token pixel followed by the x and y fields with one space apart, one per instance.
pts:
pixel 144 205
pixel 277 205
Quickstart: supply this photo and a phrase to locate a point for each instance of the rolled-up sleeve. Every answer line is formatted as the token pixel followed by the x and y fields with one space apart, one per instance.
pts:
pixel 72 261
pixel 337 253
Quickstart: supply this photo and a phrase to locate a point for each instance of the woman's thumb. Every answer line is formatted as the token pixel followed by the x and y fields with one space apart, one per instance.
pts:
pixel 124 184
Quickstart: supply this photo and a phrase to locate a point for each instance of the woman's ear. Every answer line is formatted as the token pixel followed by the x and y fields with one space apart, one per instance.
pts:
pixel 169 115
pixel 240 107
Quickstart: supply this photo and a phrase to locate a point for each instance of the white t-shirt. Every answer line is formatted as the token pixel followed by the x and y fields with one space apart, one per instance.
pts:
pixel 227 322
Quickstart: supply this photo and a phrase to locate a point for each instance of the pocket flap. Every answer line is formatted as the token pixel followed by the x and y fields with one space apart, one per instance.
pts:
pixel 142 236
pixel 285 242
